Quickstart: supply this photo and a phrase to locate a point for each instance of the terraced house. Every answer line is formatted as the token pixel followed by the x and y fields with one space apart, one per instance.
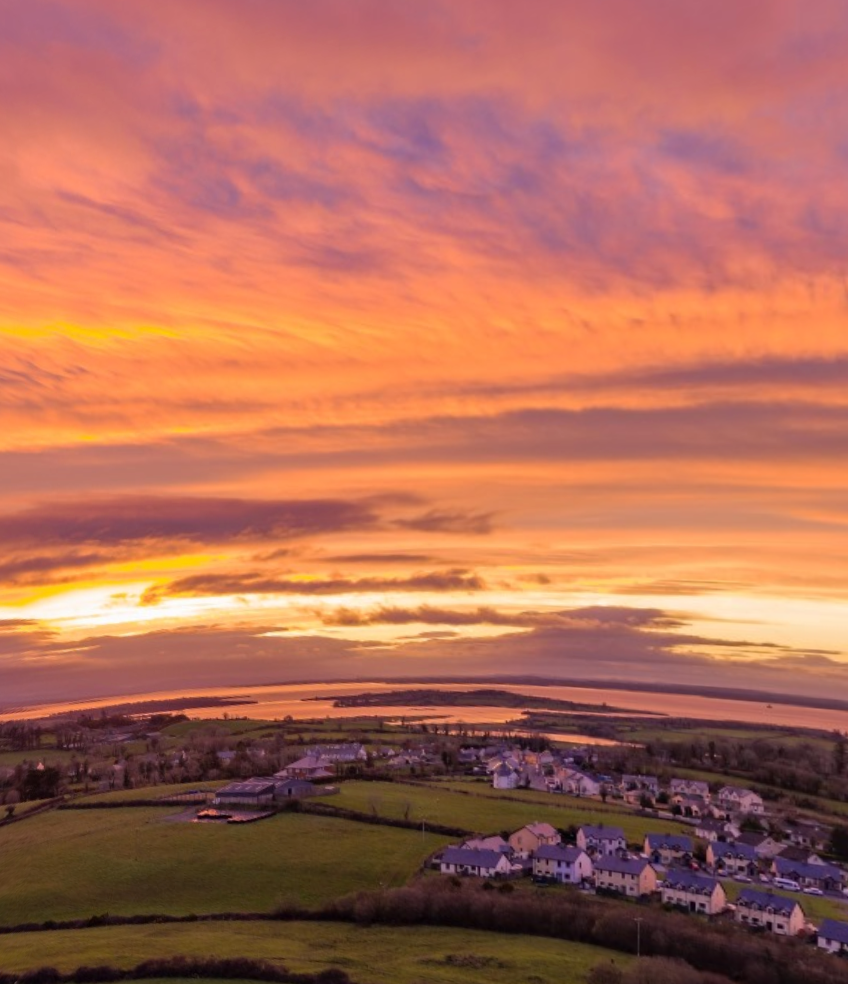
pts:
pixel 562 863
pixel 774 913
pixel 601 841
pixel 694 892
pixel 629 876
pixel 666 848
pixel 732 859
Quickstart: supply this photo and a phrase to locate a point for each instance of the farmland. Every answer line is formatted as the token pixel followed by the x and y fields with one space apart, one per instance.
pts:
pixel 377 954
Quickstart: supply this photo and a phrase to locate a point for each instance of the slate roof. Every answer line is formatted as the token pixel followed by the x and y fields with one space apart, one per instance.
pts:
pixel 475 859
pixel 674 842
pixel 623 866
pixel 602 832
pixel 689 881
pixel 247 787
pixel 832 929
pixel 812 872
pixel 766 900
pixel 567 853
pixel 741 850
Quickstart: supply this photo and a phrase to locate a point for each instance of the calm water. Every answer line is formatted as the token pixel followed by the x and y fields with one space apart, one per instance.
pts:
pixel 281 700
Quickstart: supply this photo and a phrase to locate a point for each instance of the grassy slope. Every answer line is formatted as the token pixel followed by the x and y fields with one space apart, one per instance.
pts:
pixel 440 803
pixel 376 954
pixel 70 864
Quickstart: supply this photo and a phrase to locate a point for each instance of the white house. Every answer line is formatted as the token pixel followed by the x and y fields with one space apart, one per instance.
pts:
pixel 833 936
pixel 562 863
pixel 735 799
pixel 689 787
pixel 693 891
pixel 505 777
pixel 600 840
pixel 578 783
pixel 493 843
pixel 776 913
pixel 483 864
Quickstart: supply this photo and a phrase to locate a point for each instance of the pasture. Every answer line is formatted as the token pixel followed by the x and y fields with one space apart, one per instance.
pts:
pixel 71 864
pixel 374 954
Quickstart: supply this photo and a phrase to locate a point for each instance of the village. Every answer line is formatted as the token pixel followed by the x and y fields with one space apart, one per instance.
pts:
pixel 733 838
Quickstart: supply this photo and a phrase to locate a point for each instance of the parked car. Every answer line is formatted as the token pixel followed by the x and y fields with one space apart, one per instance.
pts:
pixel 812 890
pixel 743 878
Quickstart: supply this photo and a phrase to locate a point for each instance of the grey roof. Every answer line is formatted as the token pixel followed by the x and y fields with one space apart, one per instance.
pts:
pixel 602 833
pixel 559 852
pixel 812 872
pixel 832 929
pixel 248 787
pixel 625 866
pixel 739 849
pixel 467 856
pixel 689 881
pixel 766 900
pixel 674 842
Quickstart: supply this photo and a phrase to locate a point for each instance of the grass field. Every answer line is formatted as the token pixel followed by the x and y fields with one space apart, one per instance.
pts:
pixel 151 792
pixel 440 803
pixel 69 864
pixel 376 954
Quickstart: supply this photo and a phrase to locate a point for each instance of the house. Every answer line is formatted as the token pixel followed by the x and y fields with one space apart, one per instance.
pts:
pixel 810 835
pixel 709 829
pixel 629 876
pixel 562 863
pixel 735 799
pixel 764 845
pixel 529 839
pixel 689 787
pixel 308 767
pixel 505 777
pixel 827 877
pixel 481 864
pixel 665 848
pixel 732 859
pixel 639 783
pixel 294 789
pixel 600 840
pixel 833 936
pixel 578 783
pixel 776 913
pixel 693 891
pixel 692 806
pixel 346 752
pixel 257 793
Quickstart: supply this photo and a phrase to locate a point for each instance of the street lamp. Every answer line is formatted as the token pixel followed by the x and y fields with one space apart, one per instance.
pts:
pixel 638 921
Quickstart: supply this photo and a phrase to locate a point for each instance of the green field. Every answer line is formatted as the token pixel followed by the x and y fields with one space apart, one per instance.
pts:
pixel 69 864
pixel 442 802
pixel 151 792
pixel 376 954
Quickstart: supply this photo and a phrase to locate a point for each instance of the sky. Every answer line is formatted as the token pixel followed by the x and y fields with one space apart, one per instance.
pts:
pixel 363 339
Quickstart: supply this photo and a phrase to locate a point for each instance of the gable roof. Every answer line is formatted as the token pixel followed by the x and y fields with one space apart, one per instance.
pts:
pixel 673 842
pixel 689 881
pixel 567 853
pixel 812 872
pixel 601 832
pixel 740 849
pixel 541 829
pixel 832 929
pixel 623 866
pixel 476 859
pixel 766 900
pixel 248 787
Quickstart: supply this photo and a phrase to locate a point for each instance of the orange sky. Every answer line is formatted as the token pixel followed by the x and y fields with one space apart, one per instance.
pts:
pixel 347 339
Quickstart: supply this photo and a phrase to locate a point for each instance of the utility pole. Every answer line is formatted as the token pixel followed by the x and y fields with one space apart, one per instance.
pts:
pixel 638 921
